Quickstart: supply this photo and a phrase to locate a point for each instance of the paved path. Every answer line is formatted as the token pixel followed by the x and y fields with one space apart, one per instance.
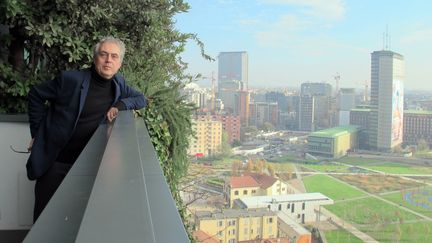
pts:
pixel 347 226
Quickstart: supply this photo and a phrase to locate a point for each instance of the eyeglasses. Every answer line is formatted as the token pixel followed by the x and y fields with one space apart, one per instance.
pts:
pixel 105 55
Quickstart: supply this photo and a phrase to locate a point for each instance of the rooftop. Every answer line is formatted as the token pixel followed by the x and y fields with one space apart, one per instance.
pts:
pixel 335 131
pixel 243 181
pixel 264 201
pixel 418 112
pixel 234 213
pixel 361 109
pixel 265 181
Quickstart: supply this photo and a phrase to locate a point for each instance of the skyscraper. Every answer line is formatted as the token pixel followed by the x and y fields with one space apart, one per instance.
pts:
pixel 233 83
pixel 233 71
pixel 387 77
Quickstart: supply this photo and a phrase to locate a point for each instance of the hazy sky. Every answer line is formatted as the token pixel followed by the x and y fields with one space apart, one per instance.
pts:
pixel 294 41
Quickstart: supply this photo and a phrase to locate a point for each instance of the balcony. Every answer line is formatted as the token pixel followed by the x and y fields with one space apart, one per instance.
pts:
pixel 115 192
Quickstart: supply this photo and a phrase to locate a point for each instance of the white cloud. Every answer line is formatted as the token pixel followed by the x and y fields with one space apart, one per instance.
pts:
pixel 328 9
pixel 281 31
pixel 418 36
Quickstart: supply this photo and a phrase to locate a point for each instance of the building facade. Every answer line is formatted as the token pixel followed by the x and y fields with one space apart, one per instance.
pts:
pixel 333 142
pixel 233 225
pixel 208 138
pixel 262 112
pixel 254 184
pixel 315 105
pixel 233 71
pixel 417 126
pixel 361 117
pixel 347 101
pixel 386 100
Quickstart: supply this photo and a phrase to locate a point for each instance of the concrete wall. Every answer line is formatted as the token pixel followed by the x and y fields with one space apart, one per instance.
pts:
pixel 16 191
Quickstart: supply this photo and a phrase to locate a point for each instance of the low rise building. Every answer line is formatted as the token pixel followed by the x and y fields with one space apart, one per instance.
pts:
pixel 254 184
pixel 234 225
pixel 302 208
pixel 333 142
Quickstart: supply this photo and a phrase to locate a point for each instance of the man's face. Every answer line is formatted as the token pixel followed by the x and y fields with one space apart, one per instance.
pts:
pixel 107 61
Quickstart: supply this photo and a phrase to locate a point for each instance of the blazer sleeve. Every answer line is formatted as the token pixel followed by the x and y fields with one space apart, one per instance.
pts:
pixel 37 97
pixel 131 98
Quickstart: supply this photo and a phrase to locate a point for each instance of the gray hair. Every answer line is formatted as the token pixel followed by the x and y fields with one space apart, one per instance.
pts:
pixel 110 39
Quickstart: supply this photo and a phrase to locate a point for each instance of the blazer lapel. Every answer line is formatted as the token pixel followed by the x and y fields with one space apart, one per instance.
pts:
pixel 117 90
pixel 84 91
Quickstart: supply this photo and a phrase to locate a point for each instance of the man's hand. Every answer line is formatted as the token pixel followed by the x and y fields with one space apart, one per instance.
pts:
pixel 30 145
pixel 112 114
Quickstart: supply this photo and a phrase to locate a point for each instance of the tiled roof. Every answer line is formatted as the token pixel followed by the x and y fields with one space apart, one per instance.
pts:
pixel 273 240
pixel 265 181
pixel 243 181
pixel 203 237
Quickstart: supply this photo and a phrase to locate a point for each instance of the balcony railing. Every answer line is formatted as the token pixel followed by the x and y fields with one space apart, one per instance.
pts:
pixel 115 192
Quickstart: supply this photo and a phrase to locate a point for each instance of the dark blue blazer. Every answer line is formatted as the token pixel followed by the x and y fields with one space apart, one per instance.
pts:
pixel 52 126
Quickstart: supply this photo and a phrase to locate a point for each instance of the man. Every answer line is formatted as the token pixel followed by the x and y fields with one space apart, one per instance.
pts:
pixel 78 102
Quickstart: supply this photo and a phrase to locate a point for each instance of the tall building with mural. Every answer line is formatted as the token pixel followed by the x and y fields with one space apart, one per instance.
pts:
pixel 386 100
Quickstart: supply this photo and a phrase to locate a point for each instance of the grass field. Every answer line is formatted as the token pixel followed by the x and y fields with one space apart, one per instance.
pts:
pixel 406 232
pixel 378 183
pixel 402 169
pixel 360 161
pixel 369 211
pixel 330 187
pixel 398 198
pixel 386 166
pixel 341 236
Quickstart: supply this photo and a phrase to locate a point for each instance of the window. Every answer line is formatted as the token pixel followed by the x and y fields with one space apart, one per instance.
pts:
pixel 220 233
pixel 303 206
pixel 220 223
pixel 280 207
pixel 270 220
pixel 253 191
pixel 236 192
pixel 244 192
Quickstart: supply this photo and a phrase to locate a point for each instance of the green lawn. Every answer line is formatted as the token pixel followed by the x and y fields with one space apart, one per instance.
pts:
pixel 398 198
pixel 359 161
pixel 402 169
pixel 341 236
pixel 330 187
pixel 386 166
pixel 369 211
pixel 407 232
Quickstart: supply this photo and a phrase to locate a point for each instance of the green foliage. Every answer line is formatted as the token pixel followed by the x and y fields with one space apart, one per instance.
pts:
pixel 43 37
pixel 225 146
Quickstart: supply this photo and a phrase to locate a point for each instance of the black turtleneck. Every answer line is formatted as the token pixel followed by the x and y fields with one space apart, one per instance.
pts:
pixel 99 99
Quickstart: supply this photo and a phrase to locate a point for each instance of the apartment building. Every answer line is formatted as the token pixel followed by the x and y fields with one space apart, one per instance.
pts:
pixel 234 225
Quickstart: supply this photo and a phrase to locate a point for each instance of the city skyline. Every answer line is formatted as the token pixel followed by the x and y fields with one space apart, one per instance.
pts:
pixel 291 41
